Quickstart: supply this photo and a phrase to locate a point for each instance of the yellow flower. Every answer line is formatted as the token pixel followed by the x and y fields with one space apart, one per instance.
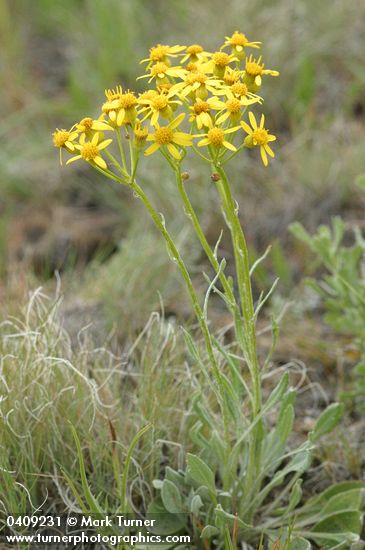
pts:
pixel 140 135
pixel 161 71
pixel 232 108
pixel 165 136
pixel 217 137
pixel 158 104
pixel 148 94
pixel 240 91
pixel 90 150
pixel 258 136
pixel 231 76
pixel 162 52
pixel 112 94
pixel 232 105
pixel 88 125
pixel 201 112
pixel 119 106
pixel 197 84
pixel 122 109
pixel 195 53
pixel 63 139
pixel 220 61
pixel 238 42
pixel 254 69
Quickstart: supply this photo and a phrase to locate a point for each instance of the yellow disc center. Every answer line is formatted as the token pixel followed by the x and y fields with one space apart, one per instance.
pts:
pixel 127 101
pixel 60 138
pixel 260 136
pixel 201 107
pixel 86 123
pixel 240 89
pixel 221 59
pixel 164 135
pixel 194 49
pixel 216 136
pixel 238 39
pixel 89 151
pixel 253 69
pixel 159 103
pixel 233 105
pixel 159 52
pixel 159 68
pixel 196 77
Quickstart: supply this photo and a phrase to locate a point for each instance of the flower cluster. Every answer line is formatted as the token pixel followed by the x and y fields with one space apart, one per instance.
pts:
pixel 196 99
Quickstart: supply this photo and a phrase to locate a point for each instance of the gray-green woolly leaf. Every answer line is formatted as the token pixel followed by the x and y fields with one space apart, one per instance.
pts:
pixel 317 502
pixel 342 524
pixel 209 531
pixel 276 439
pixel 202 412
pixel 217 446
pixel 288 399
pixel 197 437
pixel 299 543
pixel 285 426
pixel 328 420
pixel 232 402
pixel 157 483
pixel 238 381
pixel 228 544
pixel 225 519
pixel 166 523
pixel 196 504
pixel 343 502
pixel 278 392
pixel 171 497
pixel 295 496
pixel 200 472
pixel 176 477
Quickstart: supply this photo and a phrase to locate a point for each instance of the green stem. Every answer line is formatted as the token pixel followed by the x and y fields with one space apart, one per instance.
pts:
pixel 116 163
pixel 247 308
pixel 156 218
pixel 121 150
pixel 212 259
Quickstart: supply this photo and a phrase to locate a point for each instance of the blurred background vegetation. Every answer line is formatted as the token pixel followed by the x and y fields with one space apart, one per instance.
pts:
pixel 56 59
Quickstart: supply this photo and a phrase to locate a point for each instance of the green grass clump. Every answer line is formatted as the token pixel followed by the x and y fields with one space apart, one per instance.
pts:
pixel 48 384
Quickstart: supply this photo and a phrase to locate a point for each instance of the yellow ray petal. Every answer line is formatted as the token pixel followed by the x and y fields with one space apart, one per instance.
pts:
pixel 73 159
pixel 99 161
pixel 121 117
pixel 182 139
pixel 177 121
pixel 246 127
pixel 152 149
pixel 229 145
pixel 253 122
pixel 263 156
pixel 173 151
pixel 269 151
pixel 222 118
pixel 104 144
pixel 98 125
